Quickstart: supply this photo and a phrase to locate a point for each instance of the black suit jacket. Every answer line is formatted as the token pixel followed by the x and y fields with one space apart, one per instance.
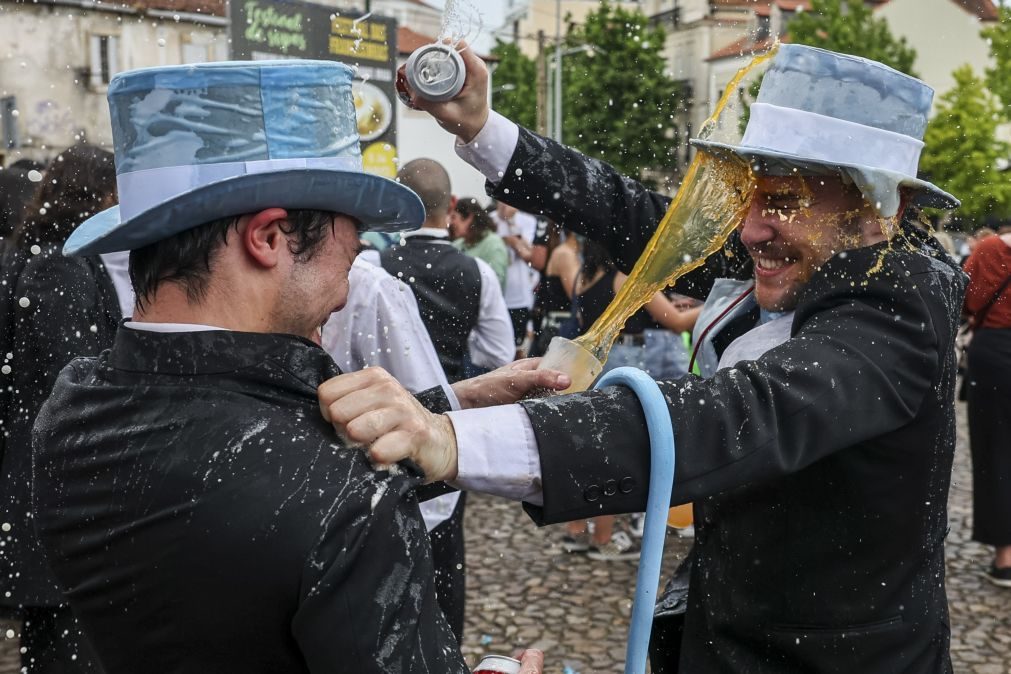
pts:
pixel 201 516
pixel 72 311
pixel 820 472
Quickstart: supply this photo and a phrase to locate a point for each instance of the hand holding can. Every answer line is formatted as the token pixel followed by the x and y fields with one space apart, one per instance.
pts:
pixel 463 114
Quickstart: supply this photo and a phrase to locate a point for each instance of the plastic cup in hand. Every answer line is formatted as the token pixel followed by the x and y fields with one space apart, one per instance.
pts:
pixel 569 357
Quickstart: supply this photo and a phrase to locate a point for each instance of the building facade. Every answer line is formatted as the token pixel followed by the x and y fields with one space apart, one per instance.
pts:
pixel 709 41
pixel 61 54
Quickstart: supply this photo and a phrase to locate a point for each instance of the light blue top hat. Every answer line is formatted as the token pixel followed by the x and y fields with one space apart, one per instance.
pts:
pixel 201 142
pixel 818 112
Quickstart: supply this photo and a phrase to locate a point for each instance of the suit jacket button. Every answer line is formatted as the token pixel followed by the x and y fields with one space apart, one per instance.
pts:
pixel 610 488
pixel 626 485
pixel 592 493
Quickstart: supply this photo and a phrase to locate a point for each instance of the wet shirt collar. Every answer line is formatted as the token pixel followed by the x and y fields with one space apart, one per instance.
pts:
pixel 201 350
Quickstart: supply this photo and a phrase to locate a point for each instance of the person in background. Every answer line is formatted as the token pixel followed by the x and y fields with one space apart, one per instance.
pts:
pixel 518 230
pixel 666 354
pixel 988 306
pixel 462 308
pixel 473 232
pixel 459 296
pixel 597 284
pixel 56 308
pixel 16 189
pixel 380 326
pixel 978 236
pixel 553 305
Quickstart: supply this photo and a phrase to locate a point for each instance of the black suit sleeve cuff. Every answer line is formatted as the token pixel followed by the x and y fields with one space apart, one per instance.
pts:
pixel 594 463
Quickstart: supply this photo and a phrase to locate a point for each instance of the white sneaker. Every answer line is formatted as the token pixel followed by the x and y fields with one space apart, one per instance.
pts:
pixel 620 548
pixel 686 532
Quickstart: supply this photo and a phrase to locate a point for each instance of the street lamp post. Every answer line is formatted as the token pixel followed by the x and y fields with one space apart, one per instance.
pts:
pixel 556 112
pixel 558 71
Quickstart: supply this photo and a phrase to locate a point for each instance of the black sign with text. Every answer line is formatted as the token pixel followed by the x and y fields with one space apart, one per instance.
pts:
pixel 267 29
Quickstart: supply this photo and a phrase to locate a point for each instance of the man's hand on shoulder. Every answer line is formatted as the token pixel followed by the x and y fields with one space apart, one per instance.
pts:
pixel 370 407
pixel 465 115
pixel 509 384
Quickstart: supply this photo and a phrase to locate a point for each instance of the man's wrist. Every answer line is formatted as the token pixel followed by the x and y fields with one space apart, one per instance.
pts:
pixel 450 465
pixel 469 132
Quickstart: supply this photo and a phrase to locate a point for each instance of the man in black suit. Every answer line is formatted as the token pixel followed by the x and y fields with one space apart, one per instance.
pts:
pixel 818 453
pixel 198 512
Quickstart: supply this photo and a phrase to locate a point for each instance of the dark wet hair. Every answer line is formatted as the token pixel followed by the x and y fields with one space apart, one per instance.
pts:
pixel 595 258
pixel 186 258
pixel 75 186
pixel 481 225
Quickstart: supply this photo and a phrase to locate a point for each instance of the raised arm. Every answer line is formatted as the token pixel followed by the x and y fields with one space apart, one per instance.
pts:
pixel 540 176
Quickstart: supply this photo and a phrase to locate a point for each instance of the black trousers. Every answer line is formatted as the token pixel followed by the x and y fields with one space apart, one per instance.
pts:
pixel 519 318
pixel 989 398
pixel 450 568
pixel 52 642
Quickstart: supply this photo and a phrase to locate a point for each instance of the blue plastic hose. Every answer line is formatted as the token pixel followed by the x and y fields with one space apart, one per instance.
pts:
pixel 661 483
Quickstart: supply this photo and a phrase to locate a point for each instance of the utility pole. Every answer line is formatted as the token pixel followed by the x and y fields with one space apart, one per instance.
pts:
pixel 558 71
pixel 542 86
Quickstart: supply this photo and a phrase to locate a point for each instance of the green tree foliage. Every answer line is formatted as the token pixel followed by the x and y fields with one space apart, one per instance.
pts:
pixel 962 150
pixel 998 78
pixel 619 101
pixel 850 27
pixel 514 85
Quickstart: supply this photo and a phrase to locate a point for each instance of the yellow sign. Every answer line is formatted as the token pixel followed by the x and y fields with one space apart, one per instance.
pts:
pixel 361 40
pixel 380 159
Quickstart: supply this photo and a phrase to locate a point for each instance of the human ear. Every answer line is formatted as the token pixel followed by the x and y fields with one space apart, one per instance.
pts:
pixel 263 237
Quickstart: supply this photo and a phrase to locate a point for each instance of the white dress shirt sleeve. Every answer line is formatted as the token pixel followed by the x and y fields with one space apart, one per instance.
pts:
pixel 381 326
pixel 491 342
pixel 497 453
pixel 491 150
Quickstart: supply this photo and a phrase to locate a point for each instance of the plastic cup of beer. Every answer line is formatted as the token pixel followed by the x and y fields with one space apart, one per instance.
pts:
pixel 498 664
pixel 569 357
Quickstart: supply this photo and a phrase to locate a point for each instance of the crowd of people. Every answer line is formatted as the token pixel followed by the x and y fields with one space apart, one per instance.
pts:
pixel 198 367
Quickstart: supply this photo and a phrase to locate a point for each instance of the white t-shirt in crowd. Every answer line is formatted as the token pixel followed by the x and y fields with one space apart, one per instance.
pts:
pixel 521 279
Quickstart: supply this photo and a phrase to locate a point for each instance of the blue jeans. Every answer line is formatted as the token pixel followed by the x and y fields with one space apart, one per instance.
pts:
pixel 666 356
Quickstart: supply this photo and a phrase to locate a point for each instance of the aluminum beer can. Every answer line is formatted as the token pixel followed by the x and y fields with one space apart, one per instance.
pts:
pixel 436 72
pixel 498 664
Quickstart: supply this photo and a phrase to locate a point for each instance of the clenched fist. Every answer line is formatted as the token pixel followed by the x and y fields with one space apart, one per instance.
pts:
pixel 371 408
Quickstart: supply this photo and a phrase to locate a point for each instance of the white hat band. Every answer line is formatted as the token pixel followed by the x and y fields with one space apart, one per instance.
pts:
pixel 140 191
pixel 830 140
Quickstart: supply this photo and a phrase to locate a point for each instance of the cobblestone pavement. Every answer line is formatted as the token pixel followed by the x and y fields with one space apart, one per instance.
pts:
pixel 524 591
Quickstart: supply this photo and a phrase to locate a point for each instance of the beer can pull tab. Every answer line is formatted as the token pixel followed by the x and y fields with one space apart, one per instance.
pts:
pixel 436 72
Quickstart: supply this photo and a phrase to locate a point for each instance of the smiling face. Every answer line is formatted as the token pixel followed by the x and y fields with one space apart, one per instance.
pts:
pixel 316 286
pixel 795 225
